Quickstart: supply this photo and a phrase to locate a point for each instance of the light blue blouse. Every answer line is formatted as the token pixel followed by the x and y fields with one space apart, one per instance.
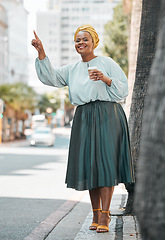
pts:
pixel 81 89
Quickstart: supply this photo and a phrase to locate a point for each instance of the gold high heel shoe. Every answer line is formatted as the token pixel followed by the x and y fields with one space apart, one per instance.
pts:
pixel 104 228
pixel 94 225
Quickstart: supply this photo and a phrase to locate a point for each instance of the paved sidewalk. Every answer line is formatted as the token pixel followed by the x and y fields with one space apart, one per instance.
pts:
pixel 75 226
pixel 121 228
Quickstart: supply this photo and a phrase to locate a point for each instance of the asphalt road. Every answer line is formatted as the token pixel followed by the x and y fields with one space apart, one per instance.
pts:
pixel 32 185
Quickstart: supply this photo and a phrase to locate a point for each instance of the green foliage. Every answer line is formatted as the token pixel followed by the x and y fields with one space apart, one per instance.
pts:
pixel 22 97
pixel 46 101
pixel 53 100
pixel 115 39
pixel 19 96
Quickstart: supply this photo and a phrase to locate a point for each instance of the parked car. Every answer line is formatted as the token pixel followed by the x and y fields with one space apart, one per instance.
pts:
pixel 42 136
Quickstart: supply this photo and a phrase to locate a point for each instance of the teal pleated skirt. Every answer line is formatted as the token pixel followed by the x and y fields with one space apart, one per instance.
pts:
pixel 99 151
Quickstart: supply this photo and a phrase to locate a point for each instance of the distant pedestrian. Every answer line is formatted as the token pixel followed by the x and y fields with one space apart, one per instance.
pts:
pixel 99 153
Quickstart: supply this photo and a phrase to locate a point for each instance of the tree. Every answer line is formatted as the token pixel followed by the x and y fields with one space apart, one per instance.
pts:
pixel 49 100
pixel 132 57
pixel 146 51
pixel 18 97
pixel 115 38
pixel 133 49
pixel 53 100
pixel 150 189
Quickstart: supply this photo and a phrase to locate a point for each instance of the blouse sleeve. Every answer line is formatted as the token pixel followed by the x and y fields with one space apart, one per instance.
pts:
pixel 50 76
pixel 118 90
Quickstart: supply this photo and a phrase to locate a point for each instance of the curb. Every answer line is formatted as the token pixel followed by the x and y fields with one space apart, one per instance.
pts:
pixel 46 227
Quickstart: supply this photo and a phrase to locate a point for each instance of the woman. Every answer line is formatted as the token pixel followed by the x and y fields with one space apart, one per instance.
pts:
pixel 99 152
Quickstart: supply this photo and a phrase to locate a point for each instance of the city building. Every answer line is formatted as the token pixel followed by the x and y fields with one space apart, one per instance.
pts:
pixel 57 25
pixel 3 44
pixel 14 42
pixel 49 30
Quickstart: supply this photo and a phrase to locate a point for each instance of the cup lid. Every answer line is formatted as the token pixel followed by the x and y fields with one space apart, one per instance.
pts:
pixel 92 68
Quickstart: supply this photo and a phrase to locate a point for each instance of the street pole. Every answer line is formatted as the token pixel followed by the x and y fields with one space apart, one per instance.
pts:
pixel 1 116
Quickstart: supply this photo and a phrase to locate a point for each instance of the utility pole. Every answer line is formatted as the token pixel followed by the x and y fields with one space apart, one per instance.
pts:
pixel 1 116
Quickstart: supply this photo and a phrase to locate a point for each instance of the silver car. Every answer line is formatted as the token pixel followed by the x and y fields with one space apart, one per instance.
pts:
pixel 42 136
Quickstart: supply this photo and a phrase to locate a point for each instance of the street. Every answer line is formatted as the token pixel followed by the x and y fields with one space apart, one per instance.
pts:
pixel 32 185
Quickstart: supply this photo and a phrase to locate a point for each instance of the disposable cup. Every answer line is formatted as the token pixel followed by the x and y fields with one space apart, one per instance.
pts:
pixel 91 69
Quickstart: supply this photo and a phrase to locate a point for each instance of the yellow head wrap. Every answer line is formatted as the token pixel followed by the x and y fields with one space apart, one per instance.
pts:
pixel 91 30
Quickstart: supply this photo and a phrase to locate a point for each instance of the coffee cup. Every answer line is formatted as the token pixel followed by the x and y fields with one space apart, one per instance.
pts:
pixel 90 69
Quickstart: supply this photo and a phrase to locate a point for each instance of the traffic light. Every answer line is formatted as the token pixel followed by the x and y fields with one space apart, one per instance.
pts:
pixel 49 110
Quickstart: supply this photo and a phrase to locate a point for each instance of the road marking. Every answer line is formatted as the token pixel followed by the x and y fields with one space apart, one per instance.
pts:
pixel 45 227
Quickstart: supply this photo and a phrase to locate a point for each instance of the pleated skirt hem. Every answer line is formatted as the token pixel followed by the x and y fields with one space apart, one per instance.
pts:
pixel 97 186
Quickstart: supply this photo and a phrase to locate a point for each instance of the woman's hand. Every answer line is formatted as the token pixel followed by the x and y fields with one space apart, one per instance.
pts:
pixel 97 75
pixel 38 46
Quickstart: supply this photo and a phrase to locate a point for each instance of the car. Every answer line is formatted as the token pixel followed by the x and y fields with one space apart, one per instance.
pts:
pixel 38 121
pixel 42 136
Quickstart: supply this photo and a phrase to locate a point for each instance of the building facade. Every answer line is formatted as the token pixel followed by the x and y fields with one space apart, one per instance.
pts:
pixel 56 27
pixel 3 45
pixel 15 42
pixel 49 30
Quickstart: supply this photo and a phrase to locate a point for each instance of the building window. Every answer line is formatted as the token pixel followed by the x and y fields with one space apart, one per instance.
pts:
pixel 75 9
pixel 64 49
pixel 65 9
pixel 85 9
pixel 65 18
pixel 65 25
pixel 99 1
pixel 64 41
pixel 65 58
pixel 65 33
pixel 75 18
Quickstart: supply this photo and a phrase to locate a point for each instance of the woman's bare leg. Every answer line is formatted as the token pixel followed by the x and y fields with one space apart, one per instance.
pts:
pixel 106 196
pixel 95 197
pixel 96 204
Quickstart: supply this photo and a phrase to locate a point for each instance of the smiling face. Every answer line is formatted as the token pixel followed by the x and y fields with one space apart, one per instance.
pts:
pixel 84 43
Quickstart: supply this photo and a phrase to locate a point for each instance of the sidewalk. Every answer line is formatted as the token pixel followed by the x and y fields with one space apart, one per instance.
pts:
pixel 75 226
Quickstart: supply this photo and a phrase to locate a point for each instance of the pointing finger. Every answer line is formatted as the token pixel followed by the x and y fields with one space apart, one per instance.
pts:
pixel 35 35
